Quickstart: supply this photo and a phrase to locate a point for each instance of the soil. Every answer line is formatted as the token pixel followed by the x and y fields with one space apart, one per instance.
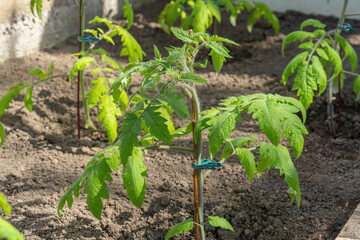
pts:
pixel 41 156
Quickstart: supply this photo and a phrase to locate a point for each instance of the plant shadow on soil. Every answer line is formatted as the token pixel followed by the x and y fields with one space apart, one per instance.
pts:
pixel 42 157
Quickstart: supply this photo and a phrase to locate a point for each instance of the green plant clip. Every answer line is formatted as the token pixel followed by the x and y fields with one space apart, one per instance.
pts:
pixel 88 39
pixel 346 28
pixel 206 164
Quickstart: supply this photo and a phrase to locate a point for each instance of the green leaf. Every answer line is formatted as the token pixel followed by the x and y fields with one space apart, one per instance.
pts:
pixel 133 176
pixel 322 54
pixel 247 159
pixel 202 18
pixel 38 7
pixel 319 73
pixel 128 137
pixel 236 142
pixel 215 10
pixel 157 124
pixel 349 51
pixel 176 102
pixel 357 88
pixel 114 64
pixel 107 114
pixel 217 60
pixel 312 22
pixel 5 205
pixel 2 135
pixel 295 36
pixel 9 96
pixel 79 65
pixel 128 13
pixel 8 231
pixel 147 140
pixel 334 58
pixel 218 48
pixel 96 172
pixel 157 53
pixel 101 20
pixel 98 89
pixel 269 119
pixel 220 128
pixel 123 80
pixel 184 226
pixel 203 122
pixel 131 47
pixel 293 65
pixel 27 99
pixel 184 130
pixel 38 72
pixel 262 9
pixel 189 77
pixel 220 222
pixel 279 157
pixel 183 35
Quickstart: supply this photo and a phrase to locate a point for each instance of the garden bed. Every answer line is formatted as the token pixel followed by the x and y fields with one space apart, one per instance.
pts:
pixel 41 156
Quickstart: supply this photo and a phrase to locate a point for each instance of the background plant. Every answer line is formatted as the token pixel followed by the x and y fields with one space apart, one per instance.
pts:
pixel 7 230
pixel 148 124
pixel 92 56
pixel 320 66
pixel 201 14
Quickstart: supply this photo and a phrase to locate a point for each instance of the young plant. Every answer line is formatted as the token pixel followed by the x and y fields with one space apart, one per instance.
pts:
pixel 96 57
pixel 148 124
pixel 320 66
pixel 7 230
pixel 201 14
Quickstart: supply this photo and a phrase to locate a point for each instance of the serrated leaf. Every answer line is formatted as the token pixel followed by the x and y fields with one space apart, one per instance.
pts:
pixel 38 72
pixel 133 177
pixel 8 231
pixel 334 58
pixel 114 64
pixel 262 9
pixel 295 36
pixel 218 48
pixel 147 140
pixel 128 13
pixel 306 45
pixel 157 53
pixel 202 18
pixel 247 159
pixel 27 99
pixel 184 130
pixel 184 226
pixel 101 20
pixel 128 137
pixel 220 222
pixel 236 142
pixel 189 77
pixel 214 9
pixel 157 124
pixel 113 160
pixel 165 111
pixel 220 128
pixel 131 47
pixel 319 73
pixel 98 89
pixel 123 80
pixel 322 54
pixel 312 22
pixel 269 119
pixel 79 65
pixel 4 205
pixel 217 60
pixel 2 135
pixel 279 157
pixel 183 35
pixel 108 112
pixel 176 103
pixel 9 96
pixel 96 172
pixel 293 65
pixel 203 122
pixel 349 51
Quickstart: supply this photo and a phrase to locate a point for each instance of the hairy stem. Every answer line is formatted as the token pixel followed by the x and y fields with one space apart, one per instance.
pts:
pixel 165 147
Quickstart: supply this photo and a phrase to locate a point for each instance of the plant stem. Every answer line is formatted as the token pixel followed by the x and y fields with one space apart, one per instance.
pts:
pixel 352 14
pixel 164 147
pixel 330 106
pixel 350 73
pixel 81 84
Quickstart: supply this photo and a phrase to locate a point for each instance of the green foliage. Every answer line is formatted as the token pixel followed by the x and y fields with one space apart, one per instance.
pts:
pixel 7 230
pixel 319 63
pixel 96 172
pixel 184 226
pixel 128 13
pixel 357 88
pixel 36 4
pixel 220 222
pixel 2 135
pixel 203 13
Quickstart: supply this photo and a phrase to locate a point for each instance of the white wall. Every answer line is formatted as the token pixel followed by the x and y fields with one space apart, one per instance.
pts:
pixel 323 7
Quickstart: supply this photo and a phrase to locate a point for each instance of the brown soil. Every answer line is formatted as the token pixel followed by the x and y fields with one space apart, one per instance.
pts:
pixel 42 157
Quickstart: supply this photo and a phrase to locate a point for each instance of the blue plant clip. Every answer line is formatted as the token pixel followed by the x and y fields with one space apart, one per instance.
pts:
pixel 219 4
pixel 88 39
pixel 346 28
pixel 206 164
